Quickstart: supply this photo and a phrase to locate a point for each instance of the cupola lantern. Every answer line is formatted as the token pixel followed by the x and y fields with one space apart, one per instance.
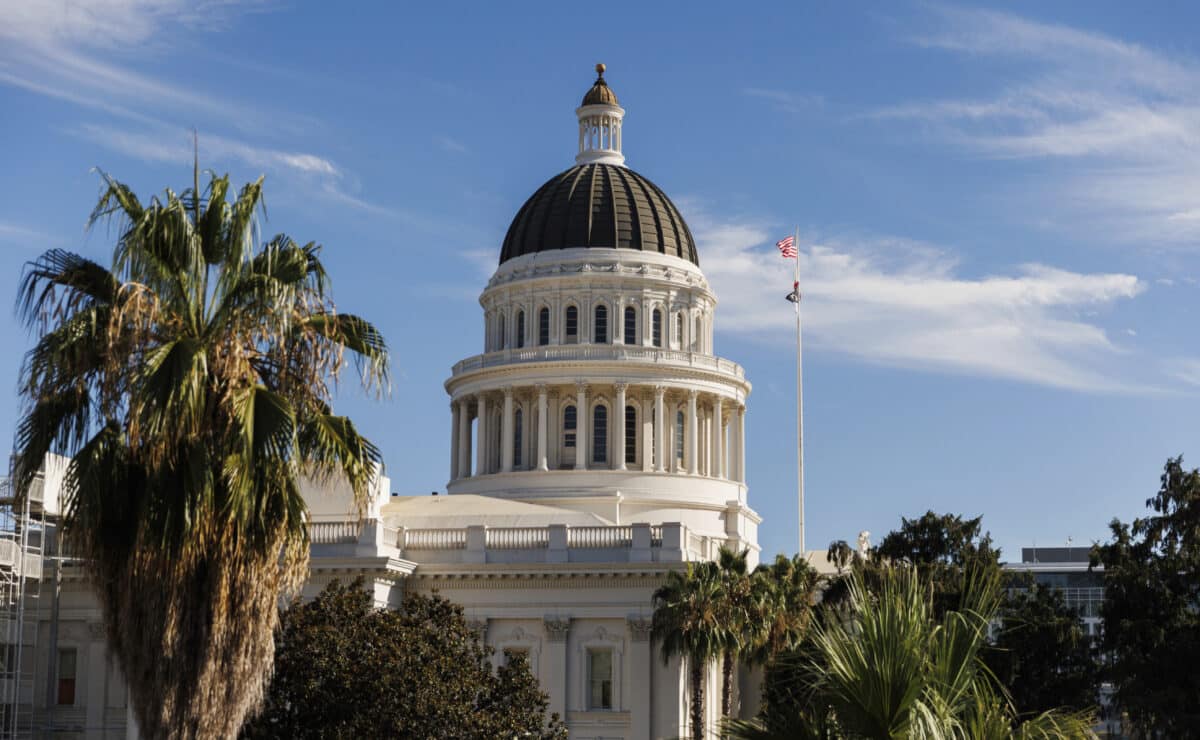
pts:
pixel 600 124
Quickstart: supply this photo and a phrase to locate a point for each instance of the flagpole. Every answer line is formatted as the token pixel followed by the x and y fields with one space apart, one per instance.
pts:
pixel 799 397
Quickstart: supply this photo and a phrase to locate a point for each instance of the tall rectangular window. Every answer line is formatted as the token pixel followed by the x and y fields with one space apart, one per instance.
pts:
pixel 66 676
pixel 656 328
pixel 520 329
pixel 569 426
pixel 572 324
pixel 679 429
pixel 630 435
pixel 600 679
pixel 544 327
pixel 630 325
pixel 518 434
pixel 601 328
pixel 600 434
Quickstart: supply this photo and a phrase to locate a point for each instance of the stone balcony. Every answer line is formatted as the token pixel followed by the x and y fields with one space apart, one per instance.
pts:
pixel 601 352
pixel 670 542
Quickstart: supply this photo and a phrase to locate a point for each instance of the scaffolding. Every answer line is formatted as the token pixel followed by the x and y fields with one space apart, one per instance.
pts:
pixel 22 539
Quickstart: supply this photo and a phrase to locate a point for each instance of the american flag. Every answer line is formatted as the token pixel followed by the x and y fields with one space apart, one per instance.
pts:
pixel 787 247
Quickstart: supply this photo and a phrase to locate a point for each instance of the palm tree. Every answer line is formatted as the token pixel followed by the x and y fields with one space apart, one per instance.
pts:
pixel 738 598
pixel 888 668
pixel 785 590
pixel 191 383
pixel 690 621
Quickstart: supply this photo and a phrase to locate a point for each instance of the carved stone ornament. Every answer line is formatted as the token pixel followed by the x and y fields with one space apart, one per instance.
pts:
pixel 557 629
pixel 639 628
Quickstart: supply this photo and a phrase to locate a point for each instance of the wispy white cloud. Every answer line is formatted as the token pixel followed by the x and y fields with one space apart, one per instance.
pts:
pixel 449 144
pixel 1121 119
pixel 1186 369
pixel 906 303
pixel 786 100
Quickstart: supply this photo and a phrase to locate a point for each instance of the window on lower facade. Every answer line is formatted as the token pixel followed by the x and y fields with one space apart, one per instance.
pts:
pixel 544 327
pixel 630 434
pixel 518 433
pixel 600 679
pixel 600 435
pixel 630 325
pixel 66 676
pixel 569 421
pixel 679 330
pixel 656 328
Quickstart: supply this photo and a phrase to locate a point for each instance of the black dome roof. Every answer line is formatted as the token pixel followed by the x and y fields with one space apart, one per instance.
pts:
pixel 601 206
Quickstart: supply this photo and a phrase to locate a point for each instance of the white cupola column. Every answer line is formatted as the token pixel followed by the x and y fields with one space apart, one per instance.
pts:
pixel 454 440
pixel 581 418
pixel 506 432
pixel 718 467
pixel 464 439
pixel 600 125
pixel 660 437
pixel 618 425
pixel 543 421
pixel 481 433
pixel 741 443
pixel 693 435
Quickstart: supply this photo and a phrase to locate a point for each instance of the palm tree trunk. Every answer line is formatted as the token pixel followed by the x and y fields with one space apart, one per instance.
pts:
pixel 697 670
pixel 727 665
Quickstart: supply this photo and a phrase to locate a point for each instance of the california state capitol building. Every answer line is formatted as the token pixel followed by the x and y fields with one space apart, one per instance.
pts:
pixel 597 442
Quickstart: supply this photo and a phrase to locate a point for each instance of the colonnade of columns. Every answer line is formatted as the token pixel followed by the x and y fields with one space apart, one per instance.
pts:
pixel 592 426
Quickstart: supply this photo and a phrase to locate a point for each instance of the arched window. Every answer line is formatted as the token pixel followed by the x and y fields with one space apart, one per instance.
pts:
pixel 572 325
pixel 544 327
pixel 656 328
pixel 679 437
pixel 630 434
pixel 600 434
pixel 696 334
pixel 569 426
pixel 630 325
pixel 601 325
pixel 518 432
pixel 679 330
pixel 520 329
pixel 503 335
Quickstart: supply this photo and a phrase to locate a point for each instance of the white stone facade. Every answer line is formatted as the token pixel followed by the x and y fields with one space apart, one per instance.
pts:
pixel 596 444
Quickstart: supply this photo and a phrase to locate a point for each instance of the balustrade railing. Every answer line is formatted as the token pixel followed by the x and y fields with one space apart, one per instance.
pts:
pixel 553 352
pixel 599 537
pixel 434 539
pixel 518 538
pixel 334 533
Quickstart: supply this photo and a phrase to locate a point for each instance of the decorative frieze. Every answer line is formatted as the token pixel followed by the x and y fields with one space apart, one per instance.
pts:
pixel 557 629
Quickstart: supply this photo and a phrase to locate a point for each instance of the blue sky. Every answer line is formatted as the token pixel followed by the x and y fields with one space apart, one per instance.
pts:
pixel 999 209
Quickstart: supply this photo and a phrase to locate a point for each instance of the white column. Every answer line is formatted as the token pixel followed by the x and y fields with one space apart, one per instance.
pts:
pixel 542 422
pixel 619 428
pixel 718 467
pixel 581 417
pixel 481 437
pixel 464 439
pixel 454 440
pixel 693 435
pixel 647 434
pixel 660 448
pixel 506 432
pixel 741 444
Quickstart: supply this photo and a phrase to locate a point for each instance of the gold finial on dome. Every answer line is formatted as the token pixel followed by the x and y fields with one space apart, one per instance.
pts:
pixel 601 93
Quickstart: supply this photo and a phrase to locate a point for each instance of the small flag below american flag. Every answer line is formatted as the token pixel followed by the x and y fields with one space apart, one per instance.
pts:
pixel 794 296
pixel 787 247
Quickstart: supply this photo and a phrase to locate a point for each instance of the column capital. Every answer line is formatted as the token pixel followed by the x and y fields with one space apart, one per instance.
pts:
pixel 508 391
pixel 557 629
pixel 620 385
pixel 639 628
pixel 541 389
pixel 659 391
pixel 581 386
pixel 693 394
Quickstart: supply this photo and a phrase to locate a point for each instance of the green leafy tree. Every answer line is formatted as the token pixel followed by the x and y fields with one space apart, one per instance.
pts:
pixel 1151 631
pixel 345 669
pixel 690 622
pixel 1042 654
pixel 891 667
pixel 743 624
pixel 190 381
